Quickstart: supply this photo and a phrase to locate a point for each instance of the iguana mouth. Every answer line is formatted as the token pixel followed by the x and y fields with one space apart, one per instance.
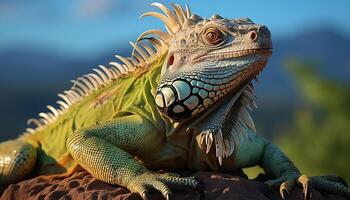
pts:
pixel 234 54
pixel 188 94
pixel 245 89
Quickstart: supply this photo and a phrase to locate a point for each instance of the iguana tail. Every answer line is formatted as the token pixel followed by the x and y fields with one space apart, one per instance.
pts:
pixel 17 160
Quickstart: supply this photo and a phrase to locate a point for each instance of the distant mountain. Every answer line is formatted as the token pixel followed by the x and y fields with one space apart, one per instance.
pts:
pixel 328 47
pixel 278 95
pixel 30 78
pixel 35 65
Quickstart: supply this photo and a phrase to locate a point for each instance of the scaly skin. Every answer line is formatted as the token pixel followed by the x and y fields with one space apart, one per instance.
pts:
pixel 180 102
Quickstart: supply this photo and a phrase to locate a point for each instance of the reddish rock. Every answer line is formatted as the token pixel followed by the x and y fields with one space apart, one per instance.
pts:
pixel 81 185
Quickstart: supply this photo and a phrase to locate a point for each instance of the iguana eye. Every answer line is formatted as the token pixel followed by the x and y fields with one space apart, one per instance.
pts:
pixel 214 36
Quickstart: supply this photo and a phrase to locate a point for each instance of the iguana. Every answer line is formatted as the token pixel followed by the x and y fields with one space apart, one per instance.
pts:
pixel 181 101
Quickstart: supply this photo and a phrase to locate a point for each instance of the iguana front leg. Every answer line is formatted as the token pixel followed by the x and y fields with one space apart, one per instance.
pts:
pixel 277 164
pixel 253 149
pixel 106 150
pixel 17 159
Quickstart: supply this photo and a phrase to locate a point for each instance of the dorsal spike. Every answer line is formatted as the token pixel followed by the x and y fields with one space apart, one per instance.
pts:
pixel 216 16
pixel 63 104
pixel 196 18
pixel 169 30
pixel 120 67
pixel 53 110
pixel 97 78
pixel 92 80
pixel 51 116
pixel 163 18
pixel 82 86
pixel 34 121
pixel 174 23
pixel 106 70
pixel 74 94
pixel 71 97
pixel 86 82
pixel 43 121
pixel 78 90
pixel 138 57
pixel 45 116
pixel 157 43
pixel 30 130
pixel 139 50
pixel 114 72
pixel 179 13
pixel 149 50
pixel 102 75
pixel 163 35
pixel 66 99
pixel 129 65
pixel 188 12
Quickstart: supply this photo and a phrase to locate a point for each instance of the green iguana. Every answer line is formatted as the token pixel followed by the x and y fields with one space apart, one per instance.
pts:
pixel 181 101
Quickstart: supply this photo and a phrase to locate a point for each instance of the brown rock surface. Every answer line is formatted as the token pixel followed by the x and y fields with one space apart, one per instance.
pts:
pixel 81 185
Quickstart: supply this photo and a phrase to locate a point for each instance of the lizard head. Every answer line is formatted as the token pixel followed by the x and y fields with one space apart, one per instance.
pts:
pixel 207 60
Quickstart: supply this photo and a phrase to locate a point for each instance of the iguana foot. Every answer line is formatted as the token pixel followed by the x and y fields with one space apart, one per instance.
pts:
pixel 150 181
pixel 330 184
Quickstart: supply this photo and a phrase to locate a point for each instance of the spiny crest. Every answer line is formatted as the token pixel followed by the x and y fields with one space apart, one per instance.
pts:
pixel 144 53
pixel 174 21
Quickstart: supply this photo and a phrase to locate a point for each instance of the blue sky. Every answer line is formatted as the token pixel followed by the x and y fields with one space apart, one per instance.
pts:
pixel 88 26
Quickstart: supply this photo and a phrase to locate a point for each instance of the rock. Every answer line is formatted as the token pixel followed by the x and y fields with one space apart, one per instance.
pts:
pixel 81 185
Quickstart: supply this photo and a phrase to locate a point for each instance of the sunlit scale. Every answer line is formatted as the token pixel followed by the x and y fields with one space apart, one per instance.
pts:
pixel 203 93
pixel 178 109
pixel 159 100
pixel 192 102
pixel 181 98
pixel 183 89
pixel 169 96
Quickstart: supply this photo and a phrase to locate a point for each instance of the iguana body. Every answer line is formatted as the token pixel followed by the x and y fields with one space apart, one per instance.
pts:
pixel 180 102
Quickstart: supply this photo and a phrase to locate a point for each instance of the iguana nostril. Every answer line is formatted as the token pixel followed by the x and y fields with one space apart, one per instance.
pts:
pixel 253 35
pixel 171 60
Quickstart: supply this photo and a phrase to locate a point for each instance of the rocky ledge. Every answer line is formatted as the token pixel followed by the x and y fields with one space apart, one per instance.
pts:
pixel 81 185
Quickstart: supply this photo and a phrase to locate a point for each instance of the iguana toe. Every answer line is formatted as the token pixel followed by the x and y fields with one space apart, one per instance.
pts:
pixel 305 182
pixel 286 188
pixel 144 195
pixel 286 184
pixel 149 181
pixel 330 184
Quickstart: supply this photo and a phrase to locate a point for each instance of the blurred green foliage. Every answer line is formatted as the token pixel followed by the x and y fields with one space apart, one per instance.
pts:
pixel 318 139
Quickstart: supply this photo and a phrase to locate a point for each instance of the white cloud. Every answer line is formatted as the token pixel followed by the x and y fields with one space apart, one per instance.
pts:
pixel 93 8
pixel 100 8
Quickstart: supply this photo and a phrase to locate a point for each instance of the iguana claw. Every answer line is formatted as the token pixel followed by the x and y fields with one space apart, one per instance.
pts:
pixel 144 195
pixel 286 188
pixel 305 182
pixel 331 184
pixel 149 181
